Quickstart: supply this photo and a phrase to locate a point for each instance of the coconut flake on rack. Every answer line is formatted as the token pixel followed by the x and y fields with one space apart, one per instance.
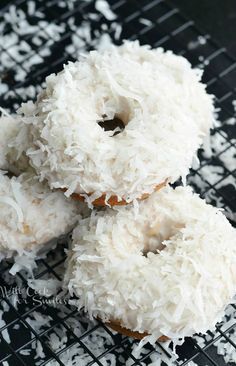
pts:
pixel 18 54
pixel 104 8
pixel 146 22
pixel 83 37
pixel 200 41
pixel 31 216
pixel 167 122
pixel 225 349
pixel 214 144
pixel 47 287
pixel 183 249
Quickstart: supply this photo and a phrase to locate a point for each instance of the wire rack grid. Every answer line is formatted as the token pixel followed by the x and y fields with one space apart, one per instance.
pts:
pixel 36 38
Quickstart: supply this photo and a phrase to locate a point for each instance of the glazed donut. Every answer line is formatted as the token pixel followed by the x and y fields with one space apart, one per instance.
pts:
pixel 13 159
pixel 166 266
pixel 31 215
pixel 118 123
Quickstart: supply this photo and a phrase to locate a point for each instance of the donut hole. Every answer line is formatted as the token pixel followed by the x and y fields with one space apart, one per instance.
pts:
pixel 116 124
pixel 157 234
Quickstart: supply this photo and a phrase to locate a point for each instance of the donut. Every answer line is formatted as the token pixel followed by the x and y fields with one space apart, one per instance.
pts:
pixel 13 159
pixel 164 267
pixel 118 124
pixel 31 215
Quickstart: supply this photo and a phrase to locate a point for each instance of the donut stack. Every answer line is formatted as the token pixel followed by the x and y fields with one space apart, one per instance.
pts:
pixel 114 129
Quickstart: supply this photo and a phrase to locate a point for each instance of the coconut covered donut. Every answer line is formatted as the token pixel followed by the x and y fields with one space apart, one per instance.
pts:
pixel 31 215
pixel 117 125
pixel 164 267
pixel 13 142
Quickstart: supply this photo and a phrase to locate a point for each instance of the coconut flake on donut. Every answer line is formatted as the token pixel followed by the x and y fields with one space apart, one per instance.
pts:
pixel 157 96
pixel 166 268
pixel 13 143
pixel 31 216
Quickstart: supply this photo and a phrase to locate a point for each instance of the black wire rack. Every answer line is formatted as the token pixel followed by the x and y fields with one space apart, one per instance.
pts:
pixel 36 38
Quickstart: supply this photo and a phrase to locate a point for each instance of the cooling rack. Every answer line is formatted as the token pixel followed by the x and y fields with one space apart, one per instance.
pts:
pixel 36 38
